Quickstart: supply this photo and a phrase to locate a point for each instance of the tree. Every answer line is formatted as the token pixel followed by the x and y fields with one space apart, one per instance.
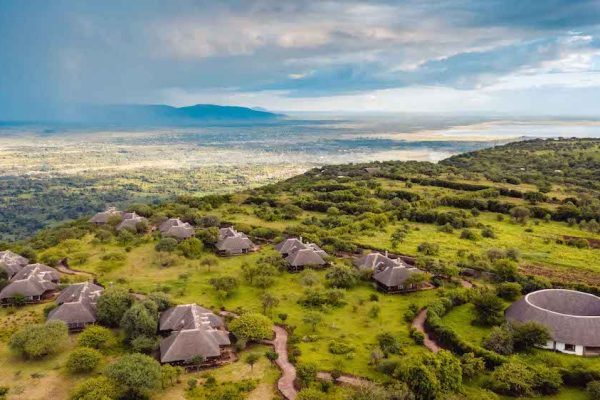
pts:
pixel 96 337
pixel 512 379
pixel 313 319
pixel 500 340
pixel 251 359
pixel 191 248
pixel 36 341
pixel 509 290
pixel 306 373
pixel 99 388
pixel 112 304
pixel 138 321
pixel 144 344
pixel 388 343
pixel 170 375
pixel 209 262
pixel 506 270
pixel 422 381
pixel 447 369
pixel 161 299
pixel 471 365
pixel 398 236
pixel 166 244
pixel 83 359
pixel 224 284
pixel 593 389
pixel 429 249
pixel 251 327
pixel 488 308
pixel 529 334
pixel 137 373
pixel 311 394
pixel 268 301
pixel 520 214
pixel 342 277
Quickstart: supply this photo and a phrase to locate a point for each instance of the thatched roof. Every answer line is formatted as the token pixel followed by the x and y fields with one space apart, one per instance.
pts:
pixel 395 276
pixel 12 262
pixel 187 316
pixel 77 304
pixel 31 280
pixel 130 221
pixel 231 240
pixel 572 317
pixel 194 333
pixel 376 262
pixel 174 227
pixel 289 245
pixel 104 216
pixel 305 257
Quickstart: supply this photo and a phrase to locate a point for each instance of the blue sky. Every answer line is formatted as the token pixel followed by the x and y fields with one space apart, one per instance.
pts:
pixel 536 57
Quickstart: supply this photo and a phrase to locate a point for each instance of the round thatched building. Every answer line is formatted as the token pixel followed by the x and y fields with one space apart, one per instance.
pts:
pixel 572 317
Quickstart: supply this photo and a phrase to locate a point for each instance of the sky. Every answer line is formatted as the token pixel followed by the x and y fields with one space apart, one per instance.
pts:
pixel 522 57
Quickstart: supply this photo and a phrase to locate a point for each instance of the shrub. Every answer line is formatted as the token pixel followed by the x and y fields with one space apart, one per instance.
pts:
pixel 138 321
pixel 512 379
pixel 593 389
pixel 500 340
pixel 429 249
pixel 112 304
pixel 144 344
pixel 306 373
pixel 137 373
pixel 509 290
pixel 36 341
pixel 340 347
pixel 96 337
pixel 529 334
pixel 469 234
pixel 471 365
pixel 388 343
pixel 251 327
pixel 341 276
pixel 95 388
pixel 83 359
pixel 311 394
pixel 488 308
pixel 166 244
pixel 161 300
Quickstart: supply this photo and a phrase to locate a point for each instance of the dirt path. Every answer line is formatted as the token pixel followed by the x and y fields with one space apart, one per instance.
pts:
pixel 466 284
pixel 344 379
pixel 419 324
pixel 285 384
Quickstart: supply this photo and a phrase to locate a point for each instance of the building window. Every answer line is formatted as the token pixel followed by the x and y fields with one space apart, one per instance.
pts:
pixel 569 347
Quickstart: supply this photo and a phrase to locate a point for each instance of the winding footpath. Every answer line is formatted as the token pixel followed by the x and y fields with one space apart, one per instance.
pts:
pixel 419 325
pixel 285 384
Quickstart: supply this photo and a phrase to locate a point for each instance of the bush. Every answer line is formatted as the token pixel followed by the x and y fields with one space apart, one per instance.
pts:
pixel 95 388
pixel 137 373
pixel 306 373
pixel 593 389
pixel 96 337
pixel 500 341
pixel 388 343
pixel 469 234
pixel 36 341
pixel 139 321
pixel 166 244
pixel 144 344
pixel 488 308
pixel 161 300
pixel 429 249
pixel 112 304
pixel 341 276
pixel 251 327
pixel 417 335
pixel 83 359
pixel 512 379
pixel 509 290
pixel 340 347
pixel 311 394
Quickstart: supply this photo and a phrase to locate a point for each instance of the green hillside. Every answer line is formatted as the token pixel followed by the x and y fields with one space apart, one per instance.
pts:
pixel 526 213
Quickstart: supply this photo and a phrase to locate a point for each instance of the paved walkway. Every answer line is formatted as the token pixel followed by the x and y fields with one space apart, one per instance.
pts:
pixel 285 384
pixel 419 324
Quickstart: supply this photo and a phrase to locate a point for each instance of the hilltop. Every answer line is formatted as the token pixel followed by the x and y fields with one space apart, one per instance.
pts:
pixel 465 221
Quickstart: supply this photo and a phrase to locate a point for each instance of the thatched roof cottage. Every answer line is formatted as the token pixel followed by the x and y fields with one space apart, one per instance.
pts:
pixel 176 228
pixel 300 255
pixel 193 331
pixel 232 242
pixel 77 305
pixel 11 262
pixel 130 221
pixel 103 217
pixel 32 282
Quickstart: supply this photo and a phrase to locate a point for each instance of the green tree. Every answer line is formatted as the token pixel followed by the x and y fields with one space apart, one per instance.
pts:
pixel 268 302
pixel 471 365
pixel 311 394
pixel 96 337
pixel 166 244
pixel 36 341
pixel 191 248
pixel 306 373
pixel 529 334
pixel 138 321
pixel 136 373
pixel 520 214
pixel 161 299
pixel 112 304
pixel 500 340
pixel 509 290
pixel 488 308
pixel 342 277
pixel 313 319
pixel 447 369
pixel 252 359
pixel 99 388
pixel 512 379
pixel 251 327
pixel 83 359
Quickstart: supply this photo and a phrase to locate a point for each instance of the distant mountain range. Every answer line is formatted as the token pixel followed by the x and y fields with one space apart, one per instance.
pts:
pixel 163 114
